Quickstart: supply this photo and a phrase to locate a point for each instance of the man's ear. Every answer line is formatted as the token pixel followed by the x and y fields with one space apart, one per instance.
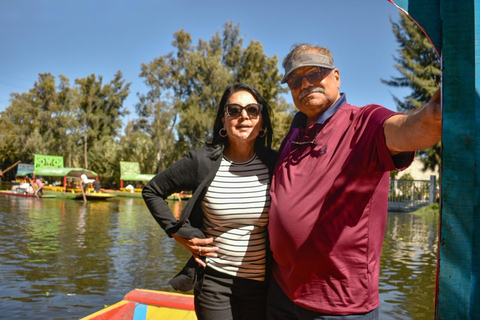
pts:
pixel 336 74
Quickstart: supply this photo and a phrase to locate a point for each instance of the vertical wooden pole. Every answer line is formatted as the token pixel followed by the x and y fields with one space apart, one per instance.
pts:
pixel 433 188
pixel 454 28
pixel 83 191
pixel 458 286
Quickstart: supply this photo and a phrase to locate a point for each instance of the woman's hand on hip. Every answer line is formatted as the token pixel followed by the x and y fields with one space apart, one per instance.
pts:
pixel 198 247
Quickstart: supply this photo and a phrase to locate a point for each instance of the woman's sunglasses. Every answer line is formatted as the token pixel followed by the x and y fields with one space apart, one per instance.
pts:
pixel 296 82
pixel 235 110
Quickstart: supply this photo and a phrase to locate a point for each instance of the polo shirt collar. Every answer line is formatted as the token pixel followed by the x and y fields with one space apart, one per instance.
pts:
pixel 300 119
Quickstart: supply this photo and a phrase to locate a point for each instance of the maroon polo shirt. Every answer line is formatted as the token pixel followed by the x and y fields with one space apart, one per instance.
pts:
pixel 328 210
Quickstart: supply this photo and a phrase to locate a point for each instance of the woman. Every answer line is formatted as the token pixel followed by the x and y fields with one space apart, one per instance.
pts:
pixel 224 224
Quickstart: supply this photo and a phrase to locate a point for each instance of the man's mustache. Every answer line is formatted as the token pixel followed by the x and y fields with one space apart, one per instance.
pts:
pixel 309 90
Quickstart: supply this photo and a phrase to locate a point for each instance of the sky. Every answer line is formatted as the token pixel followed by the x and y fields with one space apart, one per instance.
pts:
pixel 84 37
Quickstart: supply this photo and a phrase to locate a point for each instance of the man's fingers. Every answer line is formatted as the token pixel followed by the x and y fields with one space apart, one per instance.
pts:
pixel 200 261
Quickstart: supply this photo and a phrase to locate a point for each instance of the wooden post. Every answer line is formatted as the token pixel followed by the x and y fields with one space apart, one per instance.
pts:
pixel 458 290
pixel 433 189
pixel 83 191
pixel 454 28
pixel 9 168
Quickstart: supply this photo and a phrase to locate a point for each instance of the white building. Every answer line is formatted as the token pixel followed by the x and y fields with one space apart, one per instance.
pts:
pixel 416 171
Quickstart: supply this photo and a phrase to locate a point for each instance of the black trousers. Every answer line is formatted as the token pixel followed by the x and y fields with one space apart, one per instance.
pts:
pixel 222 297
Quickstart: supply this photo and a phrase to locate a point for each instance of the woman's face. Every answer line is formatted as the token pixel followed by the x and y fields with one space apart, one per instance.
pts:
pixel 244 128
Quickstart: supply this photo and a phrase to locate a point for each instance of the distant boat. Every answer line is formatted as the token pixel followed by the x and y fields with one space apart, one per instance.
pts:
pixel 77 195
pixel 130 172
pixel 52 166
pixel 24 195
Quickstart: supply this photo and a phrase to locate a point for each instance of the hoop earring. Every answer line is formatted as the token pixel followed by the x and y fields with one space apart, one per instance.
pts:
pixel 224 134
pixel 262 133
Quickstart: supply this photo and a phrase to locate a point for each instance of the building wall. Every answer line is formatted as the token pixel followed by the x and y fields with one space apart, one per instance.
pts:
pixel 416 171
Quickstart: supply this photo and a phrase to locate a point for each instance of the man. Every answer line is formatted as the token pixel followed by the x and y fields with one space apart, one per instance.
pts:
pixel 96 185
pixel 39 190
pixel 85 181
pixel 329 194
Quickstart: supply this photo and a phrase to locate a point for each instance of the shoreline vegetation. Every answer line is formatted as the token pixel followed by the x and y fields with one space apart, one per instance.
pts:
pixel 431 209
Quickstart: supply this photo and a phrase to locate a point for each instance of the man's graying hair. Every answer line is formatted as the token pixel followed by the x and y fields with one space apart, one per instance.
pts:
pixel 302 47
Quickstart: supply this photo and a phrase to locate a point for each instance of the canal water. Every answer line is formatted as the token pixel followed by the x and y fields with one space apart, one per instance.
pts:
pixel 62 259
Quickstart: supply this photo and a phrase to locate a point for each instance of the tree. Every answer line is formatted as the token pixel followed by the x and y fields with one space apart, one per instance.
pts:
pixel 68 129
pixel 136 147
pixel 39 121
pixel 186 86
pixel 101 109
pixel 420 71
pixel 58 120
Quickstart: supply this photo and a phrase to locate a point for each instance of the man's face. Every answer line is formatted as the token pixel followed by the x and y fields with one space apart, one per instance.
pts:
pixel 314 98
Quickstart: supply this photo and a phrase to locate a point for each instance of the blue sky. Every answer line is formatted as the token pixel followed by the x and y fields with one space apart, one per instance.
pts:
pixel 78 38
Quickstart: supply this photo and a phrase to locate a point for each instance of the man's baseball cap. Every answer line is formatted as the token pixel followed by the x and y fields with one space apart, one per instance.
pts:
pixel 307 59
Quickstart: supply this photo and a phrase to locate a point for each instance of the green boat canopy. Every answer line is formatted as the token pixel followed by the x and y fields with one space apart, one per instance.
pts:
pixel 137 177
pixel 62 172
pixel 130 171
pixel 52 166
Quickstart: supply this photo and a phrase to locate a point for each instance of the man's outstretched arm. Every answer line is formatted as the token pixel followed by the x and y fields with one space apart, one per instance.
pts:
pixel 419 130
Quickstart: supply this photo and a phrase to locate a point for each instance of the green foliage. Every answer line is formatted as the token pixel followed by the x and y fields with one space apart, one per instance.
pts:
pixel 82 123
pixel 406 188
pixel 100 112
pixel 136 147
pixel 41 120
pixel 104 157
pixel 432 209
pixel 406 176
pixel 420 71
pixel 55 120
pixel 393 174
pixel 186 86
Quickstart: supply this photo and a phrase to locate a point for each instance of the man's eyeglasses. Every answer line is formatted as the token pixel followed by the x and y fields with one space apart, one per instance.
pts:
pixel 296 82
pixel 302 143
pixel 235 110
pixel 309 142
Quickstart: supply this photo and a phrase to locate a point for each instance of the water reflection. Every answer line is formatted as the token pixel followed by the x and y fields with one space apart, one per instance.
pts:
pixel 65 259
pixel 408 267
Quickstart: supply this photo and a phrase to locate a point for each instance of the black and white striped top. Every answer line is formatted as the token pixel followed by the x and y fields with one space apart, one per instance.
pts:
pixel 236 216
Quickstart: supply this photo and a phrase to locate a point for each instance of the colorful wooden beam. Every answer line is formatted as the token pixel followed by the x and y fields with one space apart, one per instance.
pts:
pixel 142 304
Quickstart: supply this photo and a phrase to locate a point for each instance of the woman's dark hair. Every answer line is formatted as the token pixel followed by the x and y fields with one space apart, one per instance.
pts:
pixel 260 142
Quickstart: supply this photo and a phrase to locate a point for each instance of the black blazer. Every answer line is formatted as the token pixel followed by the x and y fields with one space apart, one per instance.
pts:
pixel 194 172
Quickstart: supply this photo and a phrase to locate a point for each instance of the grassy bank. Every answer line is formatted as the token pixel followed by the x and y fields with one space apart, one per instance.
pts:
pixel 433 208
